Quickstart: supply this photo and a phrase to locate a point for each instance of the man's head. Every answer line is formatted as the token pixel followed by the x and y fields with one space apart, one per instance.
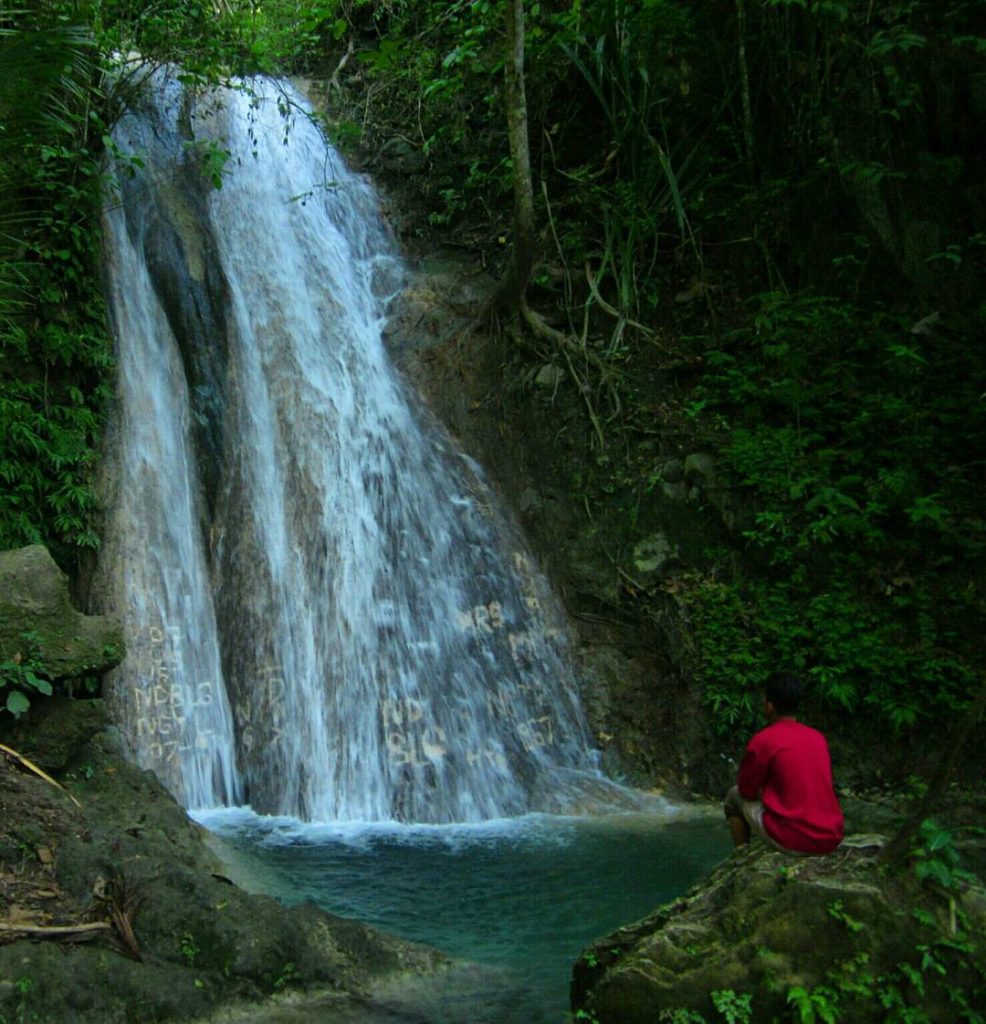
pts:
pixel 783 692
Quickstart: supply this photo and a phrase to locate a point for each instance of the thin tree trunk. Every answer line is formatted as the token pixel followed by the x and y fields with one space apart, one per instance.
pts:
pixel 513 285
pixel 745 88
pixel 900 845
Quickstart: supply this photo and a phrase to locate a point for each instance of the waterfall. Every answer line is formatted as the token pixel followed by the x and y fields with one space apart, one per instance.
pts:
pixel 328 614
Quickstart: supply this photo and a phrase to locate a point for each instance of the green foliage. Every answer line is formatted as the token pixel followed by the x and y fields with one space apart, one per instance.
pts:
pixel 290 975
pixel 585 1017
pixel 21 675
pixel 936 860
pixel 680 1016
pixel 629 56
pixel 54 353
pixel 838 913
pixel 212 159
pixel 814 1006
pixel 733 1008
pixel 188 948
pixel 839 433
pixel 211 41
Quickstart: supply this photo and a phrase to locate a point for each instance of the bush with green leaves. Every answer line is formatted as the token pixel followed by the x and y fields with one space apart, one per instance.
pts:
pixel 852 446
pixel 54 349
pixel 22 677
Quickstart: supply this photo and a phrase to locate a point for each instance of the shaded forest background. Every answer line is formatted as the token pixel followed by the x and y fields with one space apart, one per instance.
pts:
pixel 761 234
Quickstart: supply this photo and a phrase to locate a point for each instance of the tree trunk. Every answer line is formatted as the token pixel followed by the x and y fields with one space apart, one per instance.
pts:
pixel 900 845
pixel 513 285
pixel 745 89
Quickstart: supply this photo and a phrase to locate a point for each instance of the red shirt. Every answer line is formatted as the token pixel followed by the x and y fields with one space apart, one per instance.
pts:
pixel 787 767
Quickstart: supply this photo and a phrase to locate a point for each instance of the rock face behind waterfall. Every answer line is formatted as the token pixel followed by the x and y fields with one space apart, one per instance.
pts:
pixel 327 612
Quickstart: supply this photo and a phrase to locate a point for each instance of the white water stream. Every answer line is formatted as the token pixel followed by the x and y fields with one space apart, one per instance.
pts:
pixel 327 613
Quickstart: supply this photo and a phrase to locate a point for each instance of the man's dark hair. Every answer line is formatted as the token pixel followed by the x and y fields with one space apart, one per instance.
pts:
pixel 784 690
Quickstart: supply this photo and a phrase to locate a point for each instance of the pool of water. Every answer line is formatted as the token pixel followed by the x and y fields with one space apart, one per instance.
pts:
pixel 518 899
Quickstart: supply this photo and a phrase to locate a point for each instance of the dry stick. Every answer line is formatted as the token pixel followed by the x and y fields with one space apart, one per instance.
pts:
pixel 54 931
pixel 558 245
pixel 334 80
pixel 620 572
pixel 564 342
pixel 124 928
pixel 745 86
pixel 516 276
pixel 32 767
pixel 612 310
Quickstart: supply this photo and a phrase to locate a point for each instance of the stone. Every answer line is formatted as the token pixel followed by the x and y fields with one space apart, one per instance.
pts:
pixel 765 923
pixel 549 376
pixel 205 941
pixel 700 470
pixel 652 556
pixel 34 600
pixel 56 728
pixel 399 156
pixel 672 471
pixel 530 502
pixel 588 570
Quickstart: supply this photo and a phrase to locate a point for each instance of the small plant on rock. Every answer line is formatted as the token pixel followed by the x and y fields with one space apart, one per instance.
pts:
pixel 188 948
pixel 20 674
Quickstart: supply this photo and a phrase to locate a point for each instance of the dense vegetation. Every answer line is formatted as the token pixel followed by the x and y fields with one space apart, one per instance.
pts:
pixel 762 236
pixel 54 355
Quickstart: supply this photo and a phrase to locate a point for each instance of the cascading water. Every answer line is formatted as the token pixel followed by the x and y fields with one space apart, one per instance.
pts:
pixel 327 614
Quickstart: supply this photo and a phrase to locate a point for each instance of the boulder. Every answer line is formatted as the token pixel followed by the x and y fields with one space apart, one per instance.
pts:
pixel 791 933
pixel 700 470
pixel 550 376
pixel 38 622
pixel 109 843
pixel 398 156
pixel 652 558
pixel 672 471
pixel 705 485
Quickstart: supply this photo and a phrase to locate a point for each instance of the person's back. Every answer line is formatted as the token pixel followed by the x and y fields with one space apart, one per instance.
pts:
pixel 787 765
pixel 784 790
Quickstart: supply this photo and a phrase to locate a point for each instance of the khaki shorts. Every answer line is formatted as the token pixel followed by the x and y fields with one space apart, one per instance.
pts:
pixel 751 811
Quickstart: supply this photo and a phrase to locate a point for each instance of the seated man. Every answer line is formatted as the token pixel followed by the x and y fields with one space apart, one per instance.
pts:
pixel 784 789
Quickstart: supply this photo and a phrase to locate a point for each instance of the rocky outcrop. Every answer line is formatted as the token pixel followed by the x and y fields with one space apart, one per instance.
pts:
pixel 39 625
pixel 769 933
pixel 127 856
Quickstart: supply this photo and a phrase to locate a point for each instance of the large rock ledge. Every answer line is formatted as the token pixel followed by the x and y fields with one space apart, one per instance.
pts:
pixel 130 849
pixel 38 622
pixel 861 936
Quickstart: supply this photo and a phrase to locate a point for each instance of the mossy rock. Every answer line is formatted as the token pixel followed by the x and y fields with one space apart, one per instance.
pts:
pixel 205 943
pixel 766 924
pixel 38 623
